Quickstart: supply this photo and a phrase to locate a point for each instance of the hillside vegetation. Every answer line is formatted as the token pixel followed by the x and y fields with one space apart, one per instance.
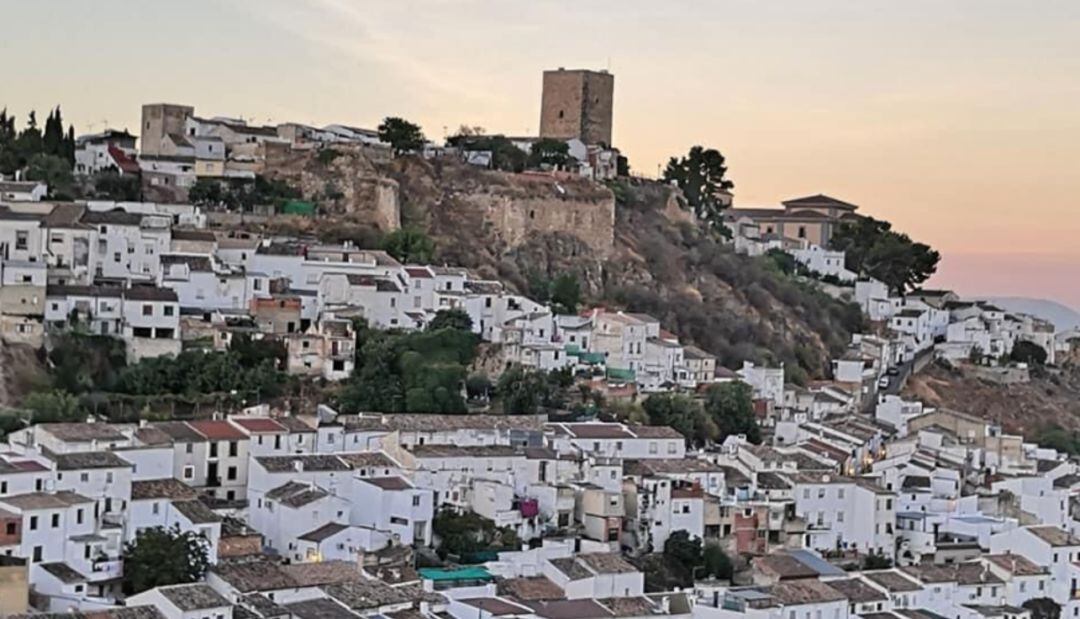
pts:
pixel 663 263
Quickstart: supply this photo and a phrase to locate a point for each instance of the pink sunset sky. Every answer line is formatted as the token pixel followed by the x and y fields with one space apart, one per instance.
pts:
pixel 958 121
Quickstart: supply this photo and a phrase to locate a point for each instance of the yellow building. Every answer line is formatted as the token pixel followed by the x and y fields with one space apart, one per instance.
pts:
pixel 810 220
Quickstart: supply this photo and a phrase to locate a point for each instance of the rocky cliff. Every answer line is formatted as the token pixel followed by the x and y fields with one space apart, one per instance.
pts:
pixel 632 245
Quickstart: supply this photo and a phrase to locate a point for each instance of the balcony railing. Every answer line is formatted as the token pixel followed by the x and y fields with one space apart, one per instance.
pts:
pixel 107 569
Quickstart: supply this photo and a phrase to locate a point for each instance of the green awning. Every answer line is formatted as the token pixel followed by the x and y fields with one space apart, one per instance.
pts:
pixel 438 574
pixel 622 374
pixel 298 207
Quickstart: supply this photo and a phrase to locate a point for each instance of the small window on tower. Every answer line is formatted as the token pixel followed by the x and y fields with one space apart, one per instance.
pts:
pixel 561 114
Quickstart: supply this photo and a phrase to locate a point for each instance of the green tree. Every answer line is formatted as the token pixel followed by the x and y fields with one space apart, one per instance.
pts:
pixel 252 353
pixel 52 170
pixel 565 294
pixel 450 319
pixel 717 563
pixel 731 408
pixel 50 406
pixel 109 185
pixel 402 135
pixel 1028 352
pixel 873 249
pixel 82 362
pixel 549 152
pixel 702 176
pixel 421 372
pixel 876 562
pixel 683 555
pixel 206 192
pixel 525 391
pixel 464 533
pixel 478 386
pixel 409 245
pixel 505 155
pixel 684 414
pixel 158 557
pixel 29 142
pixel 1043 608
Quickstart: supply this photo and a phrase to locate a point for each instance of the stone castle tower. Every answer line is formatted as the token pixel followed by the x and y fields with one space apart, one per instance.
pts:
pixel 577 104
pixel 160 120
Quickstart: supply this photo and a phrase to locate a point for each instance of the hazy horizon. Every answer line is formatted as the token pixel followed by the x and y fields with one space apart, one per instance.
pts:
pixel 956 121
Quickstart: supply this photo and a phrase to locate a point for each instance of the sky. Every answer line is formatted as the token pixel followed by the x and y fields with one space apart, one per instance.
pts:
pixel 956 120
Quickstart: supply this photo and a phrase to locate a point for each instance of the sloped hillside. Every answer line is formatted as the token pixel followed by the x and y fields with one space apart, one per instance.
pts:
pixel 1051 399
pixel 659 262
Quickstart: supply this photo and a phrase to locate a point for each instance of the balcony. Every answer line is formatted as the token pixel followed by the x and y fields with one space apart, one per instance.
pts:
pixel 107 569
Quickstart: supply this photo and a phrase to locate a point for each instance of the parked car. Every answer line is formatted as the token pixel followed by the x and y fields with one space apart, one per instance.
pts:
pixel 883 382
pixel 893 371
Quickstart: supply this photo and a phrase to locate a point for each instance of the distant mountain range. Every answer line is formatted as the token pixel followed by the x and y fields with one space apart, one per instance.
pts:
pixel 1063 316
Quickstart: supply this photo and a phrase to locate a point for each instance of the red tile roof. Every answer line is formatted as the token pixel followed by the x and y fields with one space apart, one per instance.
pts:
pixel 259 425
pixel 127 164
pixel 30 466
pixel 217 430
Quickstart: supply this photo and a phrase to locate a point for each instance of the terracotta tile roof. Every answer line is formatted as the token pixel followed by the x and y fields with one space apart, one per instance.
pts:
pixel 531 588
pixel 83 432
pixel 607 563
pixel 389 483
pixel 217 430
pixel 495 606
pixel 893 581
pixel 63 572
pixel 42 500
pixel 89 460
pixel 857 591
pixel 804 591
pixel 259 425
pixel 324 532
pixel 366 594
pixel 1017 565
pixel 196 511
pixel 165 488
pixel 320 608
pixel 1054 536
pixel 193 597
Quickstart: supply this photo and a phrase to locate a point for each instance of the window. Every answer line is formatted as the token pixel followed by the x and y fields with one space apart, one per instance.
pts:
pixel 230 473
pixel 233 449
pixel 22 238
pixel 55 521
pixel 11 528
pixel 116 257
pixel 147 309
pixel 33 523
pixel 37 554
pixel 79 516
pixel 840 493
pixel 416 500
pixel 189 472
pixel 652 447
pixel 188 448
pixel 156 507
pixel 168 310
pixel 672 447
